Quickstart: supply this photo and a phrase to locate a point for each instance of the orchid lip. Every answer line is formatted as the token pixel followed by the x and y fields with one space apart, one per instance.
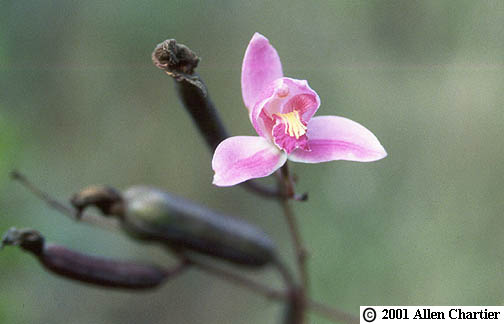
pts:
pixel 294 125
pixel 279 98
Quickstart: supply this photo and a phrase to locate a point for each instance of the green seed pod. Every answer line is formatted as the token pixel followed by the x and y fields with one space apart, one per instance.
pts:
pixel 151 214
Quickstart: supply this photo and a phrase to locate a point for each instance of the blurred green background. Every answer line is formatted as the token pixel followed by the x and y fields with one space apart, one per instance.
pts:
pixel 81 103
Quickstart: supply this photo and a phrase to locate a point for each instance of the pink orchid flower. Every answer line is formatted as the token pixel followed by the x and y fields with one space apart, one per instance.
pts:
pixel 281 110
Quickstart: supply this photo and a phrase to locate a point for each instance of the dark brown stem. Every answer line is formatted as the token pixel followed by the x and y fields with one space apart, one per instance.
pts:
pixel 179 62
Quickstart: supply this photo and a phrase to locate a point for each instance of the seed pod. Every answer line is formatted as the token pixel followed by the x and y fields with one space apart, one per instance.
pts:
pixel 86 268
pixel 100 271
pixel 150 214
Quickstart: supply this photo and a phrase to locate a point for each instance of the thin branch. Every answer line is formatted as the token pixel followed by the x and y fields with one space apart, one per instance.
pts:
pixel 230 276
pixel 331 313
pixel 271 293
pixel 240 280
pixel 261 190
pixel 108 223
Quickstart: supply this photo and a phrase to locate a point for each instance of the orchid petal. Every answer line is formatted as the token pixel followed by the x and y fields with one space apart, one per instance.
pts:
pixel 261 66
pixel 338 138
pixel 241 158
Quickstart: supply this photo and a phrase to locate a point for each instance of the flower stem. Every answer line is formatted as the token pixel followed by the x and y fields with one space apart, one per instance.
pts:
pixel 301 252
pixel 287 186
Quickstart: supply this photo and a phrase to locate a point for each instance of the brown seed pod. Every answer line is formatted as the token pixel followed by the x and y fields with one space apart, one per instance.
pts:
pixel 86 268
pixel 100 271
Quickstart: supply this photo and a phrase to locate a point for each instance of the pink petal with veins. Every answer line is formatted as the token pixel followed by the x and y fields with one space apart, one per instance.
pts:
pixel 337 138
pixel 261 66
pixel 241 158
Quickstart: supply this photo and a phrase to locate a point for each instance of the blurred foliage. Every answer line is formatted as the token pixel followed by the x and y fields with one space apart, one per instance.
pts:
pixel 81 103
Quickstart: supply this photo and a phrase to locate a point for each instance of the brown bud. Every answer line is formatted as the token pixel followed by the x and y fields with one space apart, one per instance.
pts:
pixel 105 198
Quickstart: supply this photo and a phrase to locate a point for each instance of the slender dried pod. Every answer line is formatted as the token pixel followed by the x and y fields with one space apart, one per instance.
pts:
pixel 82 267
pixel 179 61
